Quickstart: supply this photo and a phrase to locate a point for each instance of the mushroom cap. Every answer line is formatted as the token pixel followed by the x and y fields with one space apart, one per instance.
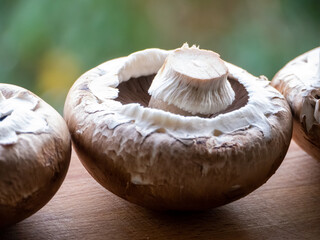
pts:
pixel 166 161
pixel 299 82
pixel 35 151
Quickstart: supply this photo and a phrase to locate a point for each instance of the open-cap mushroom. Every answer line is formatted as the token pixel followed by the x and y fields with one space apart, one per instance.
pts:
pixel 207 134
pixel 35 151
pixel 299 82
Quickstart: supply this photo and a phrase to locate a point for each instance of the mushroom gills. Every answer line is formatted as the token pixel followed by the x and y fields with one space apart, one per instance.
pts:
pixel 135 90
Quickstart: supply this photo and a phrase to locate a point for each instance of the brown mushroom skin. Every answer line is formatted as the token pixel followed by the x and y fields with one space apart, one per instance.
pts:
pixel 179 177
pixel 32 177
pixel 309 142
pixel 198 193
pixel 302 103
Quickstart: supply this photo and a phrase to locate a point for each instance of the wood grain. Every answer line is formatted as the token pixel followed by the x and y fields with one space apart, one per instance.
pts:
pixel 286 207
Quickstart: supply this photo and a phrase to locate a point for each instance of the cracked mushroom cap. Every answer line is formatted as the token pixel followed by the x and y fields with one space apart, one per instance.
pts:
pixel 213 140
pixel 299 82
pixel 35 150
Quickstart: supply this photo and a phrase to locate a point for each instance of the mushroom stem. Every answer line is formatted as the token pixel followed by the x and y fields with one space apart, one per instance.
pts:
pixel 191 82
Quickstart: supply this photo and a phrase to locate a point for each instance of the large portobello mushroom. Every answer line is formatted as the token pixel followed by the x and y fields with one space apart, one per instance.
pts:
pixel 299 82
pixel 207 134
pixel 35 150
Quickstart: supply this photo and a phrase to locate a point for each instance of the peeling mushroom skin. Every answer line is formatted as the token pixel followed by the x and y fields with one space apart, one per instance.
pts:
pixel 173 158
pixel 35 151
pixel 299 82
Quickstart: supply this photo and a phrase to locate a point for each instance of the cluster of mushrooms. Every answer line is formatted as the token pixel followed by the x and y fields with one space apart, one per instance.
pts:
pixel 167 130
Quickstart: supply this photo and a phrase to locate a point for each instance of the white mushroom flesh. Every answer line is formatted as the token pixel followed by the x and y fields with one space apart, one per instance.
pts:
pixel 17 116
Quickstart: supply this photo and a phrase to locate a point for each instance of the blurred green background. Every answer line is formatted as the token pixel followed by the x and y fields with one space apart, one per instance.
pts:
pixel 46 45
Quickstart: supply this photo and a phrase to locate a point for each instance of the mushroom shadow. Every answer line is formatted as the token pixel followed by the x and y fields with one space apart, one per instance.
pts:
pixel 193 225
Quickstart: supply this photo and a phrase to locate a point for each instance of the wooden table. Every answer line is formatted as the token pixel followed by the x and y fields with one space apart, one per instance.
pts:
pixel 286 207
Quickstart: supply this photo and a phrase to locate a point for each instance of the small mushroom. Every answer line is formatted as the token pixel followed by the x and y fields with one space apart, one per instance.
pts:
pixel 179 129
pixel 299 82
pixel 35 151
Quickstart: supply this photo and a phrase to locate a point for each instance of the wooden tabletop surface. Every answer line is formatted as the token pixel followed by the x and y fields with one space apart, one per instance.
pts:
pixel 286 207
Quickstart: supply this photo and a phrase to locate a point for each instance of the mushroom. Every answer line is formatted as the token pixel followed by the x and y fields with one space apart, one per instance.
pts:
pixel 210 132
pixel 35 151
pixel 299 82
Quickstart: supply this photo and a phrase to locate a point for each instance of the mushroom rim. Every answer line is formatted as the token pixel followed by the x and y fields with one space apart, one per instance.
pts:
pixel 22 113
pixel 103 80
pixel 303 62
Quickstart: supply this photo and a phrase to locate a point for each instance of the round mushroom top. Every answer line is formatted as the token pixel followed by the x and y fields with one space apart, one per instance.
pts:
pixel 104 80
pixel 299 81
pixel 202 65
